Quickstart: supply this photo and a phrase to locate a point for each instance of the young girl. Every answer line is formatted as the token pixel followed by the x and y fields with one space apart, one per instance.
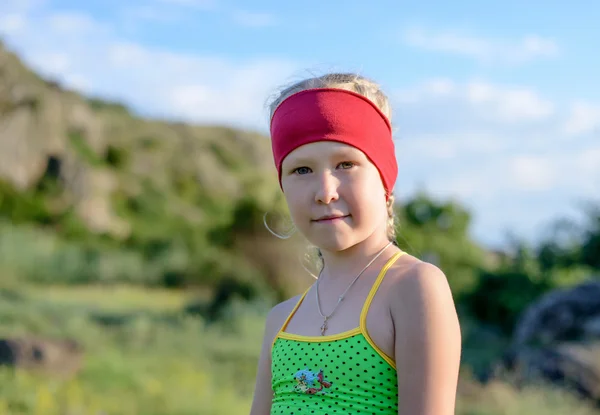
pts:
pixel 377 333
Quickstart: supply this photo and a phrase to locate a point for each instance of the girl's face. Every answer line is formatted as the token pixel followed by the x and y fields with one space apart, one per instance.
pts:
pixel 334 193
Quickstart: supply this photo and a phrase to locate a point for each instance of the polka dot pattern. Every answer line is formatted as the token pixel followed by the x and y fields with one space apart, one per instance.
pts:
pixel 343 376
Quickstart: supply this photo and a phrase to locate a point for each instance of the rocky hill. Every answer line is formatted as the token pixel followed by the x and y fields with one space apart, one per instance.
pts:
pixel 91 171
pixel 99 150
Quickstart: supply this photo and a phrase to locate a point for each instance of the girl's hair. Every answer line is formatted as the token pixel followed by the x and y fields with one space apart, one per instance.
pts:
pixel 355 83
pixel 348 81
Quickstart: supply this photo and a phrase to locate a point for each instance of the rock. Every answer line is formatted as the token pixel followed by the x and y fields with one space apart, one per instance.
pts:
pixel 55 357
pixel 557 340
pixel 573 366
pixel 561 315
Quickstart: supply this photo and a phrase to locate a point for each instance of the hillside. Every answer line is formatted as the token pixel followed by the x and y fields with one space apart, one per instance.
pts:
pixel 90 171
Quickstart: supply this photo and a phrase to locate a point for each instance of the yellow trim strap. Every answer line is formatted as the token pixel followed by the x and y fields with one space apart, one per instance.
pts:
pixel 320 339
pixel 289 317
pixel 281 334
pixel 365 310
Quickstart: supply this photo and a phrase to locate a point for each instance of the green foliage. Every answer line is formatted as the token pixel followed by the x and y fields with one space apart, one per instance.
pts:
pixel 144 356
pixel 590 250
pixel 500 297
pixel 116 157
pixel 171 199
pixel 439 233
pixel 141 357
pixel 100 105
pixel 80 145
pixel 23 206
pixel 37 255
pixel 149 143
pixel 503 293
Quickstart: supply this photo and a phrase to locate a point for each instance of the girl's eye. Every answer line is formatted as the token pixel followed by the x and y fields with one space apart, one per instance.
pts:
pixel 346 164
pixel 301 170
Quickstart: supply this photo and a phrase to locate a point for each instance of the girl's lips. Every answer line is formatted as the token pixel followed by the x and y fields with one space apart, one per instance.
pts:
pixel 333 219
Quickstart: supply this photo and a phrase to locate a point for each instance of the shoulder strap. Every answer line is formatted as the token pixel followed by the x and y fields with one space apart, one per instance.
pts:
pixel 289 317
pixel 374 288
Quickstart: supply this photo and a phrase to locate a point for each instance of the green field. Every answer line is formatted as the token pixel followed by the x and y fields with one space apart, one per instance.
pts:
pixel 145 356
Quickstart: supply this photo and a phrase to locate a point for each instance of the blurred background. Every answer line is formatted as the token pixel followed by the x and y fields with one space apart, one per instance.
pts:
pixel 135 170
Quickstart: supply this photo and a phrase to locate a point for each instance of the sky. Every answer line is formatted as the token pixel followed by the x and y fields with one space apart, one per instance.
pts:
pixel 496 106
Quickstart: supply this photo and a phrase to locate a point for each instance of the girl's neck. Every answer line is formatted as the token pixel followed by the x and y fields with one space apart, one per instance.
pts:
pixel 346 264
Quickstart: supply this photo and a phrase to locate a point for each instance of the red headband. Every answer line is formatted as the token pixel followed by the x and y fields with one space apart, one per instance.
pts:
pixel 331 114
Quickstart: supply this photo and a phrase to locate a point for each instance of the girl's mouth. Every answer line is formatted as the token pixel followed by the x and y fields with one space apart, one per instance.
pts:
pixel 331 219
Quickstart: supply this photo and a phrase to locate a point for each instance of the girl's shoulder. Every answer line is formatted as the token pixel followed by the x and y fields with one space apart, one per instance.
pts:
pixel 412 279
pixel 410 272
pixel 278 314
pixel 427 337
pixel 418 288
pixel 284 308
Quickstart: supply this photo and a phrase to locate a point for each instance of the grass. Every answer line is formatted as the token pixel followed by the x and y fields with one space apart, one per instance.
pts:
pixel 112 298
pixel 149 358
pixel 144 356
pixel 498 398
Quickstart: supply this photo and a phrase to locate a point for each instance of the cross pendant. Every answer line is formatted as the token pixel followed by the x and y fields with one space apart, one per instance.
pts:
pixel 324 327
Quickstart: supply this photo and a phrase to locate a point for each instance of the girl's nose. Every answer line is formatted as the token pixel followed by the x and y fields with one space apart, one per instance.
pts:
pixel 327 190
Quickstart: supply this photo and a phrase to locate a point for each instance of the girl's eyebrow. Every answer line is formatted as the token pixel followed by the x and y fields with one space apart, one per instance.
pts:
pixel 341 153
pixel 300 160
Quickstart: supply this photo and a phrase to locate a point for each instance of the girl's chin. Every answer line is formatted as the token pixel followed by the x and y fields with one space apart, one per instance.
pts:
pixel 333 242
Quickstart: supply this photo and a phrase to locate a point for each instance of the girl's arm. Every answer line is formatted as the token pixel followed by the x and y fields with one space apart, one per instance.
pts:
pixel 263 392
pixel 428 342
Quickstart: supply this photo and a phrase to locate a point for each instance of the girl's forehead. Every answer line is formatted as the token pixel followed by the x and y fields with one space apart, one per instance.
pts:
pixel 322 150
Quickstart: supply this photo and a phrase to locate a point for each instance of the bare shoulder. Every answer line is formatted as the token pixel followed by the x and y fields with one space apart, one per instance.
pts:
pixel 420 301
pixel 427 339
pixel 416 285
pixel 284 307
pixel 277 315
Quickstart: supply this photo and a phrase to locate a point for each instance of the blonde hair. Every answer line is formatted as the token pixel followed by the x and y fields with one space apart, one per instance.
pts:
pixel 355 83
pixel 348 81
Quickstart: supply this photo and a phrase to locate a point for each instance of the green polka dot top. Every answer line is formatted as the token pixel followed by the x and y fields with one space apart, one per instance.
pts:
pixel 344 373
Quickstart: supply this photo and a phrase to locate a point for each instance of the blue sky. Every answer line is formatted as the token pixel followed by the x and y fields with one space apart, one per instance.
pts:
pixel 495 105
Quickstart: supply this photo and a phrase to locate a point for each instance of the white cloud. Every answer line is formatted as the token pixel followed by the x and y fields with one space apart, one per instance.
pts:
pixel 73 23
pixel 55 62
pixel 169 11
pixel 196 4
pixel 583 118
pixel 13 15
pixel 587 164
pixel 481 101
pixel 242 92
pixel 532 172
pixel 79 82
pixel 453 144
pixel 11 24
pixel 253 19
pixel 500 149
pixel 20 6
pixel 154 13
pixel 509 104
pixel 488 51
pixel 179 11
pixel 85 54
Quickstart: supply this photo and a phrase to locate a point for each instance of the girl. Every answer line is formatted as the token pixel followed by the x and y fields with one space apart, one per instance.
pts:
pixel 377 333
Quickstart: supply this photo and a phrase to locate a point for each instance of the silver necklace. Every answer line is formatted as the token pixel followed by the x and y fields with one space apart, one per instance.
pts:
pixel 341 297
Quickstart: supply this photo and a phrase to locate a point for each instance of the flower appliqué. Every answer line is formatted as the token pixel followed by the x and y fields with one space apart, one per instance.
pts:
pixel 311 383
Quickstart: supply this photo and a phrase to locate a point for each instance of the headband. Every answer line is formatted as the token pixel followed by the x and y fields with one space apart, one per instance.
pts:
pixel 332 114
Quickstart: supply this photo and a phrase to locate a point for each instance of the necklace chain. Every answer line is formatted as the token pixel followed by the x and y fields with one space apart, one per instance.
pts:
pixel 341 297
